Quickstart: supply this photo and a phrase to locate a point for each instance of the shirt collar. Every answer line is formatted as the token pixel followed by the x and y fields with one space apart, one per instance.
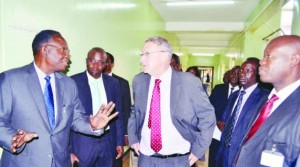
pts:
pixel 40 73
pixel 92 79
pixel 285 92
pixel 250 89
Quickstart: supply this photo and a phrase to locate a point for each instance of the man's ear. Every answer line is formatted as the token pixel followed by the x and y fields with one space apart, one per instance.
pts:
pixel 295 60
pixel 112 65
pixel 44 50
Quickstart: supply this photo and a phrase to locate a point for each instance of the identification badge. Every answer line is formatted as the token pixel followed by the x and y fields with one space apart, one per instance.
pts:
pixel 272 158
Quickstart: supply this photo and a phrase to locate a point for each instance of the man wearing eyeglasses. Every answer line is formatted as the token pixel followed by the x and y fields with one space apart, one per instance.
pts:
pixel 39 106
pixel 94 89
pixel 172 121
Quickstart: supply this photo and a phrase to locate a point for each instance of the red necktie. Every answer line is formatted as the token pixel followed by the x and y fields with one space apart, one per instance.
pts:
pixel 154 118
pixel 265 112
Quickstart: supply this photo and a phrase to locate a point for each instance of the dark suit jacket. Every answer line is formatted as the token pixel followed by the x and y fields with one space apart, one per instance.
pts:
pixel 125 99
pixel 218 98
pixel 282 129
pixel 191 113
pixel 23 107
pixel 248 111
pixel 82 144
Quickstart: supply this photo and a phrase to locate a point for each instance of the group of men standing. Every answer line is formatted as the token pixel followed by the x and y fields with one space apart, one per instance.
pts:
pixel 171 122
pixel 259 127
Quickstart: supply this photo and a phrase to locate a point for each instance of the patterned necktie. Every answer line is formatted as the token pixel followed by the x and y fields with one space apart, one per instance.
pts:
pixel 154 118
pixel 263 115
pixel 232 120
pixel 48 96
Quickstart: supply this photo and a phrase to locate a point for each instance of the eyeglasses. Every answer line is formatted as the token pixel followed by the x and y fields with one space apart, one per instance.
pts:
pixel 66 51
pixel 148 53
pixel 99 62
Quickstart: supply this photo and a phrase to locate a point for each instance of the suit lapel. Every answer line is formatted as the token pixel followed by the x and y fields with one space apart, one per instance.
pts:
pixel 107 87
pixel 175 91
pixel 288 106
pixel 59 98
pixel 252 99
pixel 143 94
pixel 35 88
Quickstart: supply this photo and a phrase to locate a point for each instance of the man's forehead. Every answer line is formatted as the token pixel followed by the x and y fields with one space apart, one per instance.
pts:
pixel 96 55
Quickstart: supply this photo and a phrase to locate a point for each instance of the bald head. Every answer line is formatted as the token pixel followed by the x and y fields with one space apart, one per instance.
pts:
pixel 280 65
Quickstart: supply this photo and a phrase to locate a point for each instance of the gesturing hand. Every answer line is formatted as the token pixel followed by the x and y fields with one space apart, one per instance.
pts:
pixel 103 116
pixel 20 138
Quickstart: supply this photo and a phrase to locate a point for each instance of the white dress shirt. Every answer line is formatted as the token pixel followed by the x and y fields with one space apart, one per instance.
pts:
pixel 283 94
pixel 172 141
pixel 41 75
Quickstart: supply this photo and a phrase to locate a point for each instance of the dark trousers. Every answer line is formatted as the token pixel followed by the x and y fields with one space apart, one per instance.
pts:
pixel 102 154
pixel 213 150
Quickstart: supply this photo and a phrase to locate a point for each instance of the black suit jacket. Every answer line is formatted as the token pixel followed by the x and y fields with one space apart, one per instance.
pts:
pixel 125 99
pixel 218 98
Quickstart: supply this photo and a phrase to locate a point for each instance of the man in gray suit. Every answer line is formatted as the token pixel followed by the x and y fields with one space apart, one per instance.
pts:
pixel 173 125
pixel 35 130
pixel 278 130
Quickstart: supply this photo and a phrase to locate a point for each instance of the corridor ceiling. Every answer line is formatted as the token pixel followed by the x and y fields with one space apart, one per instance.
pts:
pixel 204 28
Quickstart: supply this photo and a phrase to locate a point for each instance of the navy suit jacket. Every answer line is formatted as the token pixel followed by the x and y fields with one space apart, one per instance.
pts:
pixel 218 98
pixel 280 128
pixel 248 111
pixel 82 144
pixel 125 99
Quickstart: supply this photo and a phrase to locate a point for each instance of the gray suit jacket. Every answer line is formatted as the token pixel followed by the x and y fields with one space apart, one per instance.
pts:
pixel 282 129
pixel 191 112
pixel 22 107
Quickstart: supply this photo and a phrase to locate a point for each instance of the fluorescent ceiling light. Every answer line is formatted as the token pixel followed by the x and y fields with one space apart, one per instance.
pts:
pixel 203 54
pixel 95 6
pixel 179 54
pixel 190 3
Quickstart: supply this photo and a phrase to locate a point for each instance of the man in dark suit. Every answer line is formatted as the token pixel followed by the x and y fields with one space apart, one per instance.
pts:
pixel 125 97
pixel 35 130
pixel 95 88
pixel 218 98
pixel 172 120
pixel 277 123
pixel 249 79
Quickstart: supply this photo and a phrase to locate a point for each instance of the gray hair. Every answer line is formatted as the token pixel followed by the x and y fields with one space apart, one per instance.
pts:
pixel 160 41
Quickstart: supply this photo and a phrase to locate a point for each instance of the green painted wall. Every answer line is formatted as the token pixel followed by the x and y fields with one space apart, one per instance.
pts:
pixel 296 20
pixel 121 32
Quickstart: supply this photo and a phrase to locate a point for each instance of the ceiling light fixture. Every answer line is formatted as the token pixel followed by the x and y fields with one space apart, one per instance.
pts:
pixel 203 54
pixel 190 3
pixel 96 6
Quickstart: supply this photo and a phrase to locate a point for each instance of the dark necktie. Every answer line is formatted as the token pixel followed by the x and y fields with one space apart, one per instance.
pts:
pixel 263 115
pixel 48 96
pixel 232 120
pixel 154 118
pixel 231 91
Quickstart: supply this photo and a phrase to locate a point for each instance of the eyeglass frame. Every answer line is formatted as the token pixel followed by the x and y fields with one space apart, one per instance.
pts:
pixel 146 54
pixel 66 51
